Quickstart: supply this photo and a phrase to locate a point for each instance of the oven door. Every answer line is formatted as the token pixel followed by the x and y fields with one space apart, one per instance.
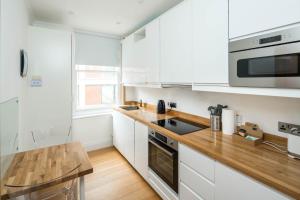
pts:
pixel 163 160
pixel 273 66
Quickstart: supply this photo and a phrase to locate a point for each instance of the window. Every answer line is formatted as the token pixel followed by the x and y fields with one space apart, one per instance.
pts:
pixel 97 87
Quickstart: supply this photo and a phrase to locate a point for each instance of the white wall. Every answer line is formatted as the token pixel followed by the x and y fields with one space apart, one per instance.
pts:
pixel 265 111
pixel 14 22
pixel 47 110
pixel 93 132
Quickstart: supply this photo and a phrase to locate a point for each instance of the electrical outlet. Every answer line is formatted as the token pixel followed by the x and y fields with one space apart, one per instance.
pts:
pixel 286 127
pixel 239 120
pixel 172 104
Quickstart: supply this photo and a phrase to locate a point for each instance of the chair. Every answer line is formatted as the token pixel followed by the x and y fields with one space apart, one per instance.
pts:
pixel 63 191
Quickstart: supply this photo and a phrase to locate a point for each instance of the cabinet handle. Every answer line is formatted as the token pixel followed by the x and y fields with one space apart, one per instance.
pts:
pixel 161 148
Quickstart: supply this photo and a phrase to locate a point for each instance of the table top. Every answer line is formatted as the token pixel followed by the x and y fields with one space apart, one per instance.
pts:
pixel 41 168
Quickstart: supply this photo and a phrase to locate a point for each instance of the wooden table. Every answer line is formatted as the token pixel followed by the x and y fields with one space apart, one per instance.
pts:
pixel 42 168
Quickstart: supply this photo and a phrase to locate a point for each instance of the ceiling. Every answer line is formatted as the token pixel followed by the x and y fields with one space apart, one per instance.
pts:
pixel 114 17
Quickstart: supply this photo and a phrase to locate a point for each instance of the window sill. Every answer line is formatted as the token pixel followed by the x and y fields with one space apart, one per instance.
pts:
pixel 81 115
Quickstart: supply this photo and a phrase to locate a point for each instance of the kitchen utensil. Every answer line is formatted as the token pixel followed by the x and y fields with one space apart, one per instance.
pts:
pixel 215 122
pixel 216 110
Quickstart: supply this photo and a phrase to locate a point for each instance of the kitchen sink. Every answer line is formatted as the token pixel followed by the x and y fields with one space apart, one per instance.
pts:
pixel 130 107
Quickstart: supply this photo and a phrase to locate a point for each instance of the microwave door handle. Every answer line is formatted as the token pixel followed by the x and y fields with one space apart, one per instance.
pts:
pixel 161 148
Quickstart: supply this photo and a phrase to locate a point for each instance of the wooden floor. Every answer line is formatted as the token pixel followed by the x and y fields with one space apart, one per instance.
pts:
pixel 114 178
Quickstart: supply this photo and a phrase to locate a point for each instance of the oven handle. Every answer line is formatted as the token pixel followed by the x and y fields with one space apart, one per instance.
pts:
pixel 161 148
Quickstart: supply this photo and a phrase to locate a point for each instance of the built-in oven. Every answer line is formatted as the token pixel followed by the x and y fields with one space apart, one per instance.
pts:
pixel 163 158
pixel 267 60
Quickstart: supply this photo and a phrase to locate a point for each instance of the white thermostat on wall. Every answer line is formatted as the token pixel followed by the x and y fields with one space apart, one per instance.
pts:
pixel 36 81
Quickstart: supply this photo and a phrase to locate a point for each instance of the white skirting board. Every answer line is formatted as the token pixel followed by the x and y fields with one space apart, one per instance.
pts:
pixel 93 146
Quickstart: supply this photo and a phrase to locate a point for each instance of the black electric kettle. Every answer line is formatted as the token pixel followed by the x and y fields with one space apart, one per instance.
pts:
pixel 161 107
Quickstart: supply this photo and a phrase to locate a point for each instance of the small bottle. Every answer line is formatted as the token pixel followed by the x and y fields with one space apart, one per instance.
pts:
pixel 141 103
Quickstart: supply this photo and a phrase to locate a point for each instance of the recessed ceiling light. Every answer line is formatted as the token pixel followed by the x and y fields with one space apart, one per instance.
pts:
pixel 118 23
pixel 140 1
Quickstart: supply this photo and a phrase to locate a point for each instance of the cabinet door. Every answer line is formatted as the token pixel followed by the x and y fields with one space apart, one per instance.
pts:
pixel 233 185
pixel 123 133
pixel 127 139
pixel 210 41
pixel 117 122
pixel 187 194
pixel 251 16
pixel 141 149
pixel 127 60
pixel 176 44
pixel 146 52
pixel 152 51
pixel 139 57
pixel 141 54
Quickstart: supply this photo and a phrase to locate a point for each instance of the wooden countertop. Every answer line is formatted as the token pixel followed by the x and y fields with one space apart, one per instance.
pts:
pixel 41 168
pixel 261 162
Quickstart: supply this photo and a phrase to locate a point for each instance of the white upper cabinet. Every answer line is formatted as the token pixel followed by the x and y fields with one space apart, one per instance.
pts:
pixel 210 41
pixel 176 44
pixel 150 52
pixel 141 54
pixel 127 60
pixel 133 64
pixel 251 16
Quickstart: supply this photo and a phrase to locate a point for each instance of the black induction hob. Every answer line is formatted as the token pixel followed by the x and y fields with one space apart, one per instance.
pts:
pixel 179 125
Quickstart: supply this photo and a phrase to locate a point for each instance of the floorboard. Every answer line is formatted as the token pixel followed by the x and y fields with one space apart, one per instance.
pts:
pixel 115 179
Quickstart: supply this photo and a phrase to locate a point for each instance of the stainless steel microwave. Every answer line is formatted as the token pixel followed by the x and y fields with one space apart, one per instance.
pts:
pixel 268 60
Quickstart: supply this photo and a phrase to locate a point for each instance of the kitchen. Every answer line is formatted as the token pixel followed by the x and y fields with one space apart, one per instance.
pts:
pixel 139 99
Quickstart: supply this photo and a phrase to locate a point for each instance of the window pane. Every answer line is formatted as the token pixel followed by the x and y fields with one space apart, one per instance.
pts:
pixel 97 86
pixel 93 95
pixel 108 94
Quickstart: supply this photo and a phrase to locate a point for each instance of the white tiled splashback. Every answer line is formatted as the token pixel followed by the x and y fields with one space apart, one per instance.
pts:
pixel 263 110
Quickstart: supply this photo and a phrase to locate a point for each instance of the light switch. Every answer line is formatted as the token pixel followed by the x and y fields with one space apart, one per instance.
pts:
pixel 36 81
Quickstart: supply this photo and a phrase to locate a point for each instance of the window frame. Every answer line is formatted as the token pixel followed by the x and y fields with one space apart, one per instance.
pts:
pixel 95 109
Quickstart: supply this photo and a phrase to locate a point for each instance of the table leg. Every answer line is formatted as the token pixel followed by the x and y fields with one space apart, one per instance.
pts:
pixel 82 189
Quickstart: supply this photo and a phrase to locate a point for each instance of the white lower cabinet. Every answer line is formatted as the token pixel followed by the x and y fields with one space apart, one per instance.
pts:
pixel 195 182
pixel 234 185
pixel 164 191
pixel 141 149
pixel 187 194
pixel 196 175
pixel 200 177
pixel 130 137
pixel 202 164
pixel 123 135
